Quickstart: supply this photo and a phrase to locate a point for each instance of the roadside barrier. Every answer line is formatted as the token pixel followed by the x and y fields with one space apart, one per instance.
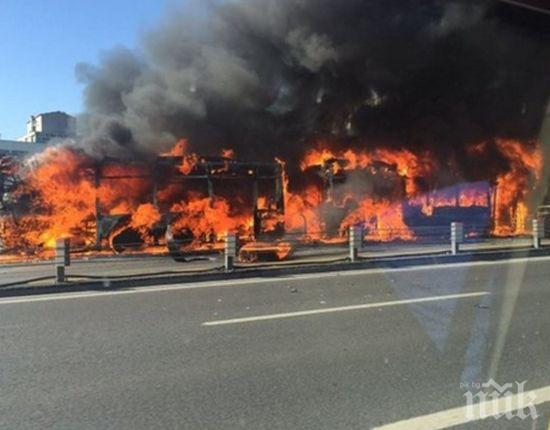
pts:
pixel 355 243
pixel 457 237
pixel 538 233
pixel 230 251
pixel 62 259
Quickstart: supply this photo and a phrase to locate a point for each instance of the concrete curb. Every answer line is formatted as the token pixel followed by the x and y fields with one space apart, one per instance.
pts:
pixel 247 273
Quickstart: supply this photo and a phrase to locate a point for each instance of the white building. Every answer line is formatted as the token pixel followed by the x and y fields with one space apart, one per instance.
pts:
pixel 16 148
pixel 47 126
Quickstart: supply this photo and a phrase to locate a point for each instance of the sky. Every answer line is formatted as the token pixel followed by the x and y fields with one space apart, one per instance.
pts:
pixel 41 41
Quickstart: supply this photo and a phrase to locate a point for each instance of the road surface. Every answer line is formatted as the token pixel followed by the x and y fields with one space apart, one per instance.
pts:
pixel 353 350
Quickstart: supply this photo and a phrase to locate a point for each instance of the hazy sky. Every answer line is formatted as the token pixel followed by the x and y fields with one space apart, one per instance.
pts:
pixel 42 40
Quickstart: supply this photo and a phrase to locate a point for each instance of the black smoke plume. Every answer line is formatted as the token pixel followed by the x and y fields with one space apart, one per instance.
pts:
pixel 271 77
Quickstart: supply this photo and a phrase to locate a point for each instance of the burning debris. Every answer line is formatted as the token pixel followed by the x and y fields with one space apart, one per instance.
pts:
pixel 270 251
pixel 391 115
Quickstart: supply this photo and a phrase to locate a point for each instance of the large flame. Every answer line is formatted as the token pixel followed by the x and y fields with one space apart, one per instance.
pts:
pixel 514 187
pixel 61 196
pixel 209 220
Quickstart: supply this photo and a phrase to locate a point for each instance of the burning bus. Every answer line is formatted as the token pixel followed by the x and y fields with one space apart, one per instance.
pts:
pixel 186 203
pixel 181 201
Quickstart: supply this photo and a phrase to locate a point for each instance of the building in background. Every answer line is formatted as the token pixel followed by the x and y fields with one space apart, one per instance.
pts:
pixel 41 130
pixel 45 127
pixel 16 148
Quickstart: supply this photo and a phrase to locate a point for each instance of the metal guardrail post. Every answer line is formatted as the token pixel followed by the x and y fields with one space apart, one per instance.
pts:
pixel 457 237
pixel 355 242
pixel 62 259
pixel 230 251
pixel 538 233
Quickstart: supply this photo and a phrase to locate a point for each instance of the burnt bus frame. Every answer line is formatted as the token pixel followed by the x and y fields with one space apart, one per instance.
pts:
pixel 207 169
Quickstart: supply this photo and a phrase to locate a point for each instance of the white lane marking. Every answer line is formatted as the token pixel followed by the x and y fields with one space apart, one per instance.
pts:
pixel 460 416
pixel 342 309
pixel 251 281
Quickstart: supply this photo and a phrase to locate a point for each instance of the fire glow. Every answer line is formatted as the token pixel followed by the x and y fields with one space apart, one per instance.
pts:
pixel 375 189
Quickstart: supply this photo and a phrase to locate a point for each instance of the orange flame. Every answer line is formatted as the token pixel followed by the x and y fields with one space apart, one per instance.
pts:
pixel 515 186
pixel 208 220
pixel 145 218
pixel 64 195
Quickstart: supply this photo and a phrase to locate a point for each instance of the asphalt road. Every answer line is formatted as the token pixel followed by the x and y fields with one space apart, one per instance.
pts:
pixel 355 350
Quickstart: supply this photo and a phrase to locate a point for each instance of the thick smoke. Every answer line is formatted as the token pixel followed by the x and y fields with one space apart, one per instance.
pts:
pixel 269 77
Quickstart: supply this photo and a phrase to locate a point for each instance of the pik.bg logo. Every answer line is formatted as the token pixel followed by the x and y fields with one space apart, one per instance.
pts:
pixel 500 401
